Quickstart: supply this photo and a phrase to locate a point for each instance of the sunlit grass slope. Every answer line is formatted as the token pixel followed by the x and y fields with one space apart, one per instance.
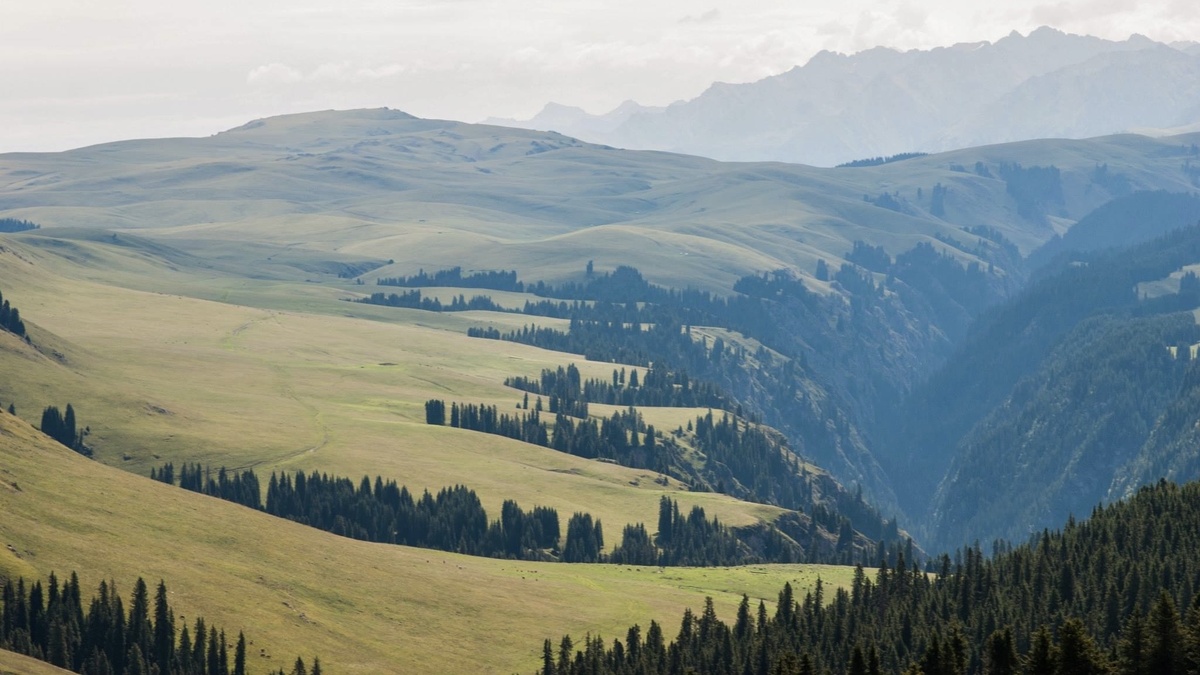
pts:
pixel 364 608
pixel 162 377
pixel 15 664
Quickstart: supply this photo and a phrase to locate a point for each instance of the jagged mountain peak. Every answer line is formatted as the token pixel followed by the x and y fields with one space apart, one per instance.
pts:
pixel 881 101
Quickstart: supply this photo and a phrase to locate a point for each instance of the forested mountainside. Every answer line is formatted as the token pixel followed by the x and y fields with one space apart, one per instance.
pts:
pixel 1116 593
pixel 1060 398
pixel 1126 220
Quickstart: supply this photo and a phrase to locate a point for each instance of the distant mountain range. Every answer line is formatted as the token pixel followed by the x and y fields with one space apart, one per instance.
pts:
pixel 882 102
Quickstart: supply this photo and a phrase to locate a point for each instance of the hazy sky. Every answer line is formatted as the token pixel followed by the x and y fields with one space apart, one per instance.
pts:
pixel 75 72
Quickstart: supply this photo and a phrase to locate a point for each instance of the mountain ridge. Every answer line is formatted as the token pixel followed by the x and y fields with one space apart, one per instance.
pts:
pixel 828 111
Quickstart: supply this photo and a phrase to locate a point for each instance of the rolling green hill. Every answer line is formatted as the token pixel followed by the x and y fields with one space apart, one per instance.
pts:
pixel 295 590
pixel 377 193
pixel 189 298
pixel 379 184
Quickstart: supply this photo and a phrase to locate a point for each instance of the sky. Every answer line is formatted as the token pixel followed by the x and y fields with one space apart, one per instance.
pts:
pixel 79 72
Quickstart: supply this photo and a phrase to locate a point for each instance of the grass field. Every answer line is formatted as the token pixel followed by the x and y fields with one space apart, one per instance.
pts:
pixel 294 590
pixel 167 360
pixel 308 190
pixel 15 664
pixel 183 297
pixel 185 379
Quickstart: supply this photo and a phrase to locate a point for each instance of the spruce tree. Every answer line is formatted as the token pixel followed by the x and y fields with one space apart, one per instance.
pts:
pixel 164 630
pixel 239 656
pixel 1133 647
pixel 1166 645
pixel 1042 655
pixel 139 632
pixel 547 658
pixel 1000 656
pixel 213 658
pixel 1077 651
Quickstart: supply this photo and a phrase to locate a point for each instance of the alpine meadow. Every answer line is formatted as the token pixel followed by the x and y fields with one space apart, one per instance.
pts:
pixel 356 391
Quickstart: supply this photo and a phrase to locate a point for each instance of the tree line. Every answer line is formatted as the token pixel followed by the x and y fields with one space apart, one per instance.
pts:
pixel 1116 594
pixel 61 426
pixel 454 520
pixel 383 511
pixel 659 387
pixel 50 623
pixel 10 225
pixel 825 364
pixel 10 319
pixel 239 487
pixel 692 539
pixel 500 280
pixel 737 458
pixel 414 300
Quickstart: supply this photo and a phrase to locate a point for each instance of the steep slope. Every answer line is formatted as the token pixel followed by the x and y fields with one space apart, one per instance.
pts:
pixel 1064 432
pixel 1123 222
pixel 880 102
pixel 1060 398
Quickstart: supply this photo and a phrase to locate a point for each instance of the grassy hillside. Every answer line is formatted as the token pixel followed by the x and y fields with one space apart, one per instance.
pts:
pixel 294 590
pixel 184 296
pixel 163 377
pixel 15 664
pixel 320 188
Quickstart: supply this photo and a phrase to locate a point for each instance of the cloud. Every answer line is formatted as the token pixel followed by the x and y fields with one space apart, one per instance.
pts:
pixel 707 17
pixel 339 71
pixel 274 73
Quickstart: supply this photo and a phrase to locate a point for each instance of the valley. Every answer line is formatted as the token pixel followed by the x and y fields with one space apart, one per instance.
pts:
pixel 194 301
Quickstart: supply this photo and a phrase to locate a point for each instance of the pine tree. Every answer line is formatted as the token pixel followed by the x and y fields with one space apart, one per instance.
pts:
pixel 138 631
pixel 1042 654
pixel 1133 647
pixel 1000 657
pixel 239 656
pixel 213 658
pixel 548 658
pixel 164 630
pixel 135 662
pixel 200 646
pixel 1166 654
pixel 1077 651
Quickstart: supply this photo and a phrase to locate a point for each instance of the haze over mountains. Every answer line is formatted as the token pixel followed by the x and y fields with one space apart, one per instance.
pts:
pixel 378 194
pixel 961 346
pixel 880 102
